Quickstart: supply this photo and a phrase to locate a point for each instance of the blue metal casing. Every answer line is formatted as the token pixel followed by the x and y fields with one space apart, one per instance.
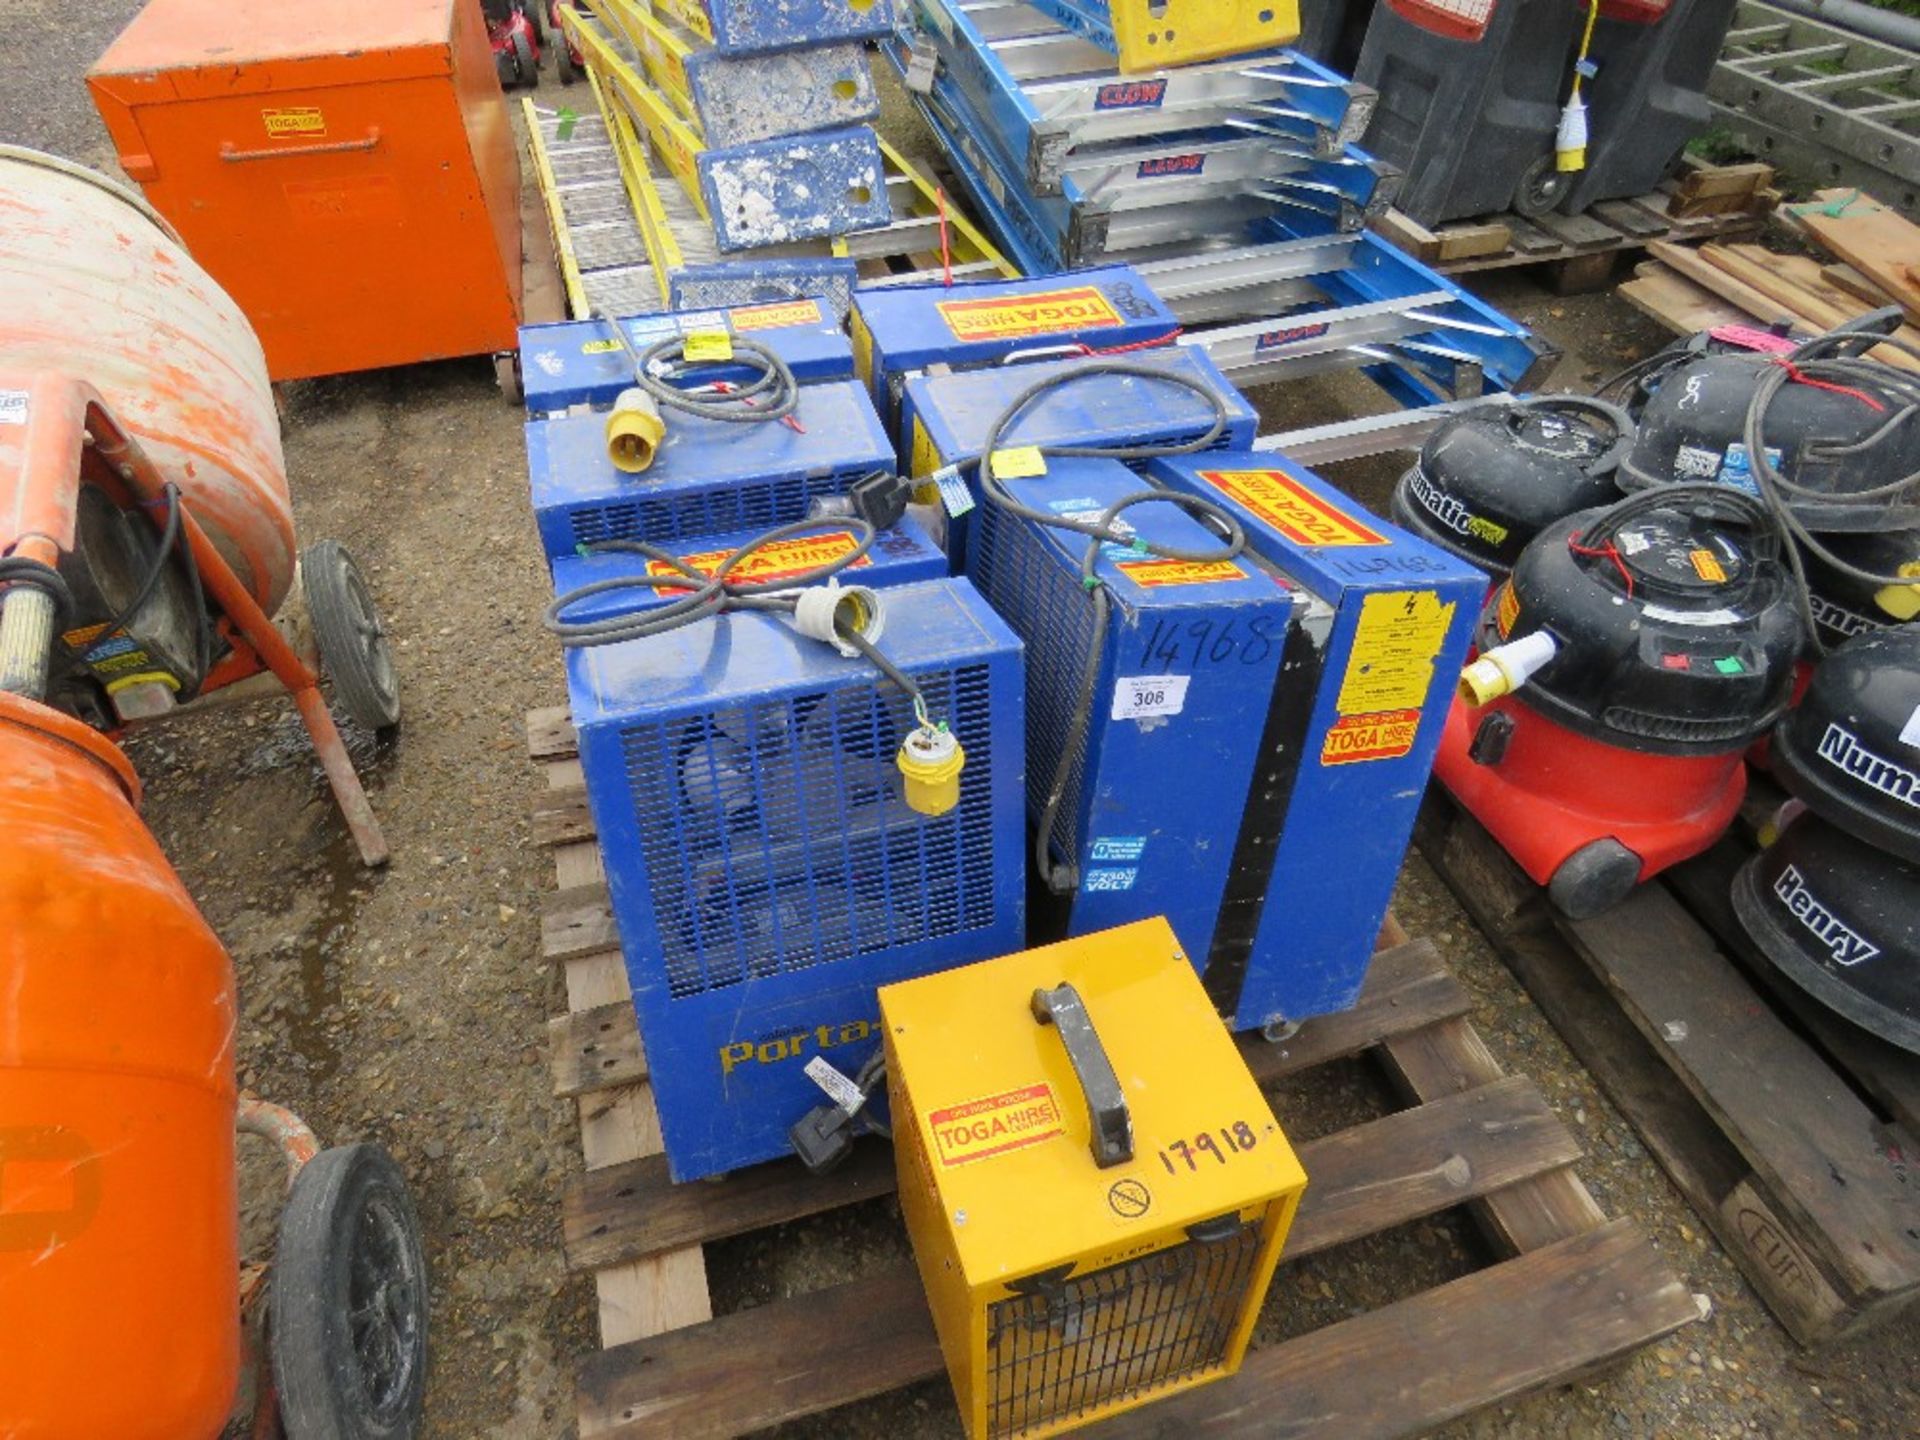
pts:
pixel 739 27
pixel 944 419
pixel 906 328
pixel 900 555
pixel 765 282
pixel 1186 674
pixel 765 876
pixel 1348 743
pixel 709 477
pixel 743 98
pixel 798 187
pixel 578 362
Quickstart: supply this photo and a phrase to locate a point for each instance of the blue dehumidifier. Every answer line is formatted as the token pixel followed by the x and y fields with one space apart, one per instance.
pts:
pixel 1347 743
pixel 1165 756
pixel 766 873
pixel 708 477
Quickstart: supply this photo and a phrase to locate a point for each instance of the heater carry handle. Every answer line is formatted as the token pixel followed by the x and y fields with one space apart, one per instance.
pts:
pixel 1109 1120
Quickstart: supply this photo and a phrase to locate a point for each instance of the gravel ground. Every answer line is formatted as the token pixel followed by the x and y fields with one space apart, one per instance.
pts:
pixel 410 1006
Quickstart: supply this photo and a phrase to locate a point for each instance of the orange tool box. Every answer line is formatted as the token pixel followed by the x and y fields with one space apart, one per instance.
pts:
pixel 346 170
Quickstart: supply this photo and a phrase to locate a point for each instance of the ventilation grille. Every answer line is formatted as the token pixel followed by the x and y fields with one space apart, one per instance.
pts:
pixel 775 837
pixel 1628 721
pixel 1073 1345
pixel 1039 595
pixel 752 505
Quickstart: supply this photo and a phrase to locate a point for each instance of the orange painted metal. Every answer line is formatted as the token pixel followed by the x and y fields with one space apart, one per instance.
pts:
pixel 94 285
pixel 346 170
pixel 70 433
pixel 119 1248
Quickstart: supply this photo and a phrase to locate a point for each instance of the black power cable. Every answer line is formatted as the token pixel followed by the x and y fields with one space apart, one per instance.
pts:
pixel 1063 878
pixel 1824 361
pixel 770 395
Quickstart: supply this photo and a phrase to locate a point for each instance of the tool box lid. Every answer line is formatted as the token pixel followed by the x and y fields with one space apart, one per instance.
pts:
pixel 205 49
pixel 1005 1126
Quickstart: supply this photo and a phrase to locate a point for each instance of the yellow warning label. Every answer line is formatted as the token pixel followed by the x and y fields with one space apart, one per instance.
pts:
pixel 1394 647
pixel 1507 612
pixel 1291 508
pixel 1707 566
pixel 1019 462
pixel 296 120
pixel 776 316
pixel 995 1124
pixel 1046 313
pixel 770 564
pixel 708 345
pixel 599 347
pixel 1150 574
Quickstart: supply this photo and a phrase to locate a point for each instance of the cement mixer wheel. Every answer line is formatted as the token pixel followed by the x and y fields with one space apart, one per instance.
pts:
pixel 348 1301
pixel 353 643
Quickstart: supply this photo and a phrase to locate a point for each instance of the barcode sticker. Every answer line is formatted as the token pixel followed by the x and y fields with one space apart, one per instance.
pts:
pixel 842 1091
pixel 13 407
pixel 1149 697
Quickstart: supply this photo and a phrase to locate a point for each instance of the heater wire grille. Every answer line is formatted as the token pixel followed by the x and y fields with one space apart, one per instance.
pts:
pixel 1072 1344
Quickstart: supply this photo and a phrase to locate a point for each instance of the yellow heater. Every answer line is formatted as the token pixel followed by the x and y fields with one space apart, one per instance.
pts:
pixel 1096 1190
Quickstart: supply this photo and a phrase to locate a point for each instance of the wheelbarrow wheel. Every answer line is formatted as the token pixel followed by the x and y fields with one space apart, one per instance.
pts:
pixel 348 1301
pixel 563 65
pixel 352 641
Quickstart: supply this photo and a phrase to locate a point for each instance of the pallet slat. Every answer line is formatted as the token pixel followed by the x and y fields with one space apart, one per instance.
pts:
pixel 628 1211
pixel 713 1380
pixel 1778 1195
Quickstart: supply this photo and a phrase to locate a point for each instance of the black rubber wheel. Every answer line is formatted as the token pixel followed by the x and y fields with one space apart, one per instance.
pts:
pixel 524 57
pixel 1541 188
pixel 1595 878
pixel 506 371
pixel 348 1301
pixel 353 643
pixel 563 61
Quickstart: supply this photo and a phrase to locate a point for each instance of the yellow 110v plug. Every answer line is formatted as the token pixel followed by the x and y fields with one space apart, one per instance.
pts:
pixel 634 431
pixel 931 760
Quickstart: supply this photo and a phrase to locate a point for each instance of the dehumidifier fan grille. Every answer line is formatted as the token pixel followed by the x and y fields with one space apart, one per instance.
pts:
pixel 775 838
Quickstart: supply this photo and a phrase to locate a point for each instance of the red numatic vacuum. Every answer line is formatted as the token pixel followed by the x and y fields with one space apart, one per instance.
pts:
pixel 1624 667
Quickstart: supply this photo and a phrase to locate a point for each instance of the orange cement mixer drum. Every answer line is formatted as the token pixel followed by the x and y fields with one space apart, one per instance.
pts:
pixel 93 284
pixel 119 1263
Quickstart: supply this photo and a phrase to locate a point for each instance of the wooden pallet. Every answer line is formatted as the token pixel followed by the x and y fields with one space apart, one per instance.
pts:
pixel 1572 1290
pixel 1708 202
pixel 1787 1129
